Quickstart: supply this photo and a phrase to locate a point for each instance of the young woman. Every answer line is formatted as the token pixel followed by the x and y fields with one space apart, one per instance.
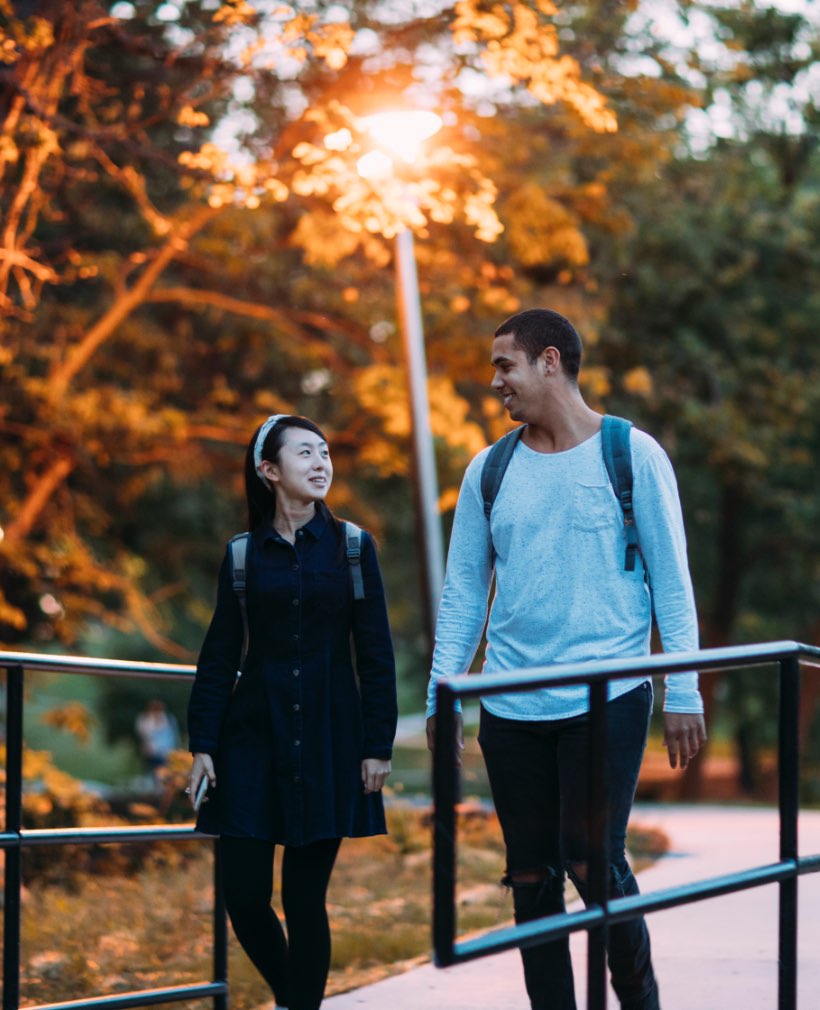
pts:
pixel 297 749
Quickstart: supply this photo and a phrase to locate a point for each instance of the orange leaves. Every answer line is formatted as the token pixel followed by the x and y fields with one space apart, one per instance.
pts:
pixel 638 381
pixel 72 717
pixel 31 36
pixel 234 183
pixel 381 393
pixel 292 36
pixel 543 232
pixel 188 116
pixel 235 12
pixel 520 43
pixel 439 186
pixel 331 43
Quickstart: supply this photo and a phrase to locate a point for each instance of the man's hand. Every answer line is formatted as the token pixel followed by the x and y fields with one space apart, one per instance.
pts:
pixel 684 734
pixel 431 735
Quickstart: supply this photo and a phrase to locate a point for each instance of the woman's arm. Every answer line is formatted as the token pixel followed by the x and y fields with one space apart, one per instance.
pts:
pixel 216 668
pixel 375 663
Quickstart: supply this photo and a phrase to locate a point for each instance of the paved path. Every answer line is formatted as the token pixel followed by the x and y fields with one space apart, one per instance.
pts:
pixel 719 954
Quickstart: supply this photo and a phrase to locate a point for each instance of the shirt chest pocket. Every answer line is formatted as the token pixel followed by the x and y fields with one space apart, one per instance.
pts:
pixel 594 507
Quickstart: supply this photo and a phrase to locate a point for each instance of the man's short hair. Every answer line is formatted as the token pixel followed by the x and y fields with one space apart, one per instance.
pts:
pixel 536 329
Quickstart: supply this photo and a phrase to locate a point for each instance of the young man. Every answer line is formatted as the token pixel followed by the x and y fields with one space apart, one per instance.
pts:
pixel 556 541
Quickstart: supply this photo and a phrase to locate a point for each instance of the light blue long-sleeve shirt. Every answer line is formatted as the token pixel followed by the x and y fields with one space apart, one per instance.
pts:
pixel 562 595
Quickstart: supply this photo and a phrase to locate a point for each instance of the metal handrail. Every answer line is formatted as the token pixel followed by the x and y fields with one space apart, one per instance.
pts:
pixel 93 666
pixel 601 911
pixel 15 838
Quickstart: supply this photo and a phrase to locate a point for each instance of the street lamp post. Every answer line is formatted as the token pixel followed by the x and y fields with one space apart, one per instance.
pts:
pixel 423 450
pixel 403 133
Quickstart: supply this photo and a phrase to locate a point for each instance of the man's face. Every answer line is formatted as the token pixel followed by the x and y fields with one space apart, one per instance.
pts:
pixel 520 384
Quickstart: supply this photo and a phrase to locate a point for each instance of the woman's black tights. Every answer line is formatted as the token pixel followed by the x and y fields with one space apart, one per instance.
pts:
pixel 295 969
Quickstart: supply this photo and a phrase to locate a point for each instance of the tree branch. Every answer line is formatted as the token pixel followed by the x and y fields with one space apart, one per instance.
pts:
pixel 125 304
pixel 290 320
pixel 19 528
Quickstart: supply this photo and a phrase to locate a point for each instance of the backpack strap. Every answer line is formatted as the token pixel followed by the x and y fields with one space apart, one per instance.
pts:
pixel 239 552
pixel 495 466
pixel 353 545
pixel 618 461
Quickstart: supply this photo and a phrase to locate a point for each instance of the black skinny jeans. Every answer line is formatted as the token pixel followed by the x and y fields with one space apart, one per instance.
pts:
pixel 295 968
pixel 538 777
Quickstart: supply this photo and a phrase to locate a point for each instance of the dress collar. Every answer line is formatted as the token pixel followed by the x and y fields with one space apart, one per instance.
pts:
pixel 312 529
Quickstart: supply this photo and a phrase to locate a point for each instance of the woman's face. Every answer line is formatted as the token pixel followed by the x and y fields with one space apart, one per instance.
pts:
pixel 304 472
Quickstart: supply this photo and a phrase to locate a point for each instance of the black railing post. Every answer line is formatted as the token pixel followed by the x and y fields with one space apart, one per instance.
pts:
pixel 444 830
pixel 598 856
pixel 14 853
pixel 220 931
pixel 789 801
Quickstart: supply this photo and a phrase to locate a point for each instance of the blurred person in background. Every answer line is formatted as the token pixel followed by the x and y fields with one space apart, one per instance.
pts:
pixel 158 735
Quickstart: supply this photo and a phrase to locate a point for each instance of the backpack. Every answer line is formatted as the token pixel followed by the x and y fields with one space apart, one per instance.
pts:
pixel 239 550
pixel 617 459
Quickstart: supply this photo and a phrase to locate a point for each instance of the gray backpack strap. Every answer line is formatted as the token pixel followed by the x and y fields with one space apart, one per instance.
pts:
pixel 353 545
pixel 239 553
pixel 618 461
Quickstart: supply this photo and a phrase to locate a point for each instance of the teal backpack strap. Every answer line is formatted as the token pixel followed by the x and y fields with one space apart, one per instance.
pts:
pixel 618 461
pixel 495 466
pixel 353 545
pixel 239 552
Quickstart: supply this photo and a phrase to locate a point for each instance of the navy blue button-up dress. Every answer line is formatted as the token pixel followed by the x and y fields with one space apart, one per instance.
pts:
pixel 289 740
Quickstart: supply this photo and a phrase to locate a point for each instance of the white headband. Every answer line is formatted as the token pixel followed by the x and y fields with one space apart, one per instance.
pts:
pixel 260 442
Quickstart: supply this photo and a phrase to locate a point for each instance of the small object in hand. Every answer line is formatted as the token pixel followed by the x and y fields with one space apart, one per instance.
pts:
pixel 201 789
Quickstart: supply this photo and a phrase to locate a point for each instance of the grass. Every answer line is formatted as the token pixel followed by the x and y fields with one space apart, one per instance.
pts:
pixel 100 934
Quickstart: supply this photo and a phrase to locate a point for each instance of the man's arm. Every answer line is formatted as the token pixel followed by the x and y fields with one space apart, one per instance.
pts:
pixel 462 612
pixel 659 522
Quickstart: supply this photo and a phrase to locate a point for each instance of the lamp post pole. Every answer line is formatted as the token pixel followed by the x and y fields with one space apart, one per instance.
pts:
pixel 425 461
pixel 402 133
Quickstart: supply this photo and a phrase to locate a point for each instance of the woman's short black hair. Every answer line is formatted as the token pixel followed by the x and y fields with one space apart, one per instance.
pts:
pixel 260 498
pixel 534 330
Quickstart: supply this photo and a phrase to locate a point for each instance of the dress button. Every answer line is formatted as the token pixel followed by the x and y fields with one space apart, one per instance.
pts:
pixel 300 533
pixel 295 568
pixel 296 708
pixel 297 743
pixel 296 603
pixel 297 778
pixel 296 673
pixel 295 638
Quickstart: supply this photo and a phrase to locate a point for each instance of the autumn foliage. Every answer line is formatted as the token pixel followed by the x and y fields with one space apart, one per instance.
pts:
pixel 188 244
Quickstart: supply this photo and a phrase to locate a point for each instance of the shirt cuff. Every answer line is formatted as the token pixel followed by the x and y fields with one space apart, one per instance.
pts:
pixel 201 747
pixel 683 702
pixel 383 753
pixel 431 709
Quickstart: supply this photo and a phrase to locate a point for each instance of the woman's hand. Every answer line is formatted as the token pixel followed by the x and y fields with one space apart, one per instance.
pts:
pixel 203 765
pixel 374 773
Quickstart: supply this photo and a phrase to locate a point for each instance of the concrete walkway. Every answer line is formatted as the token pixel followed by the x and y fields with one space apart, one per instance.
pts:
pixel 719 954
